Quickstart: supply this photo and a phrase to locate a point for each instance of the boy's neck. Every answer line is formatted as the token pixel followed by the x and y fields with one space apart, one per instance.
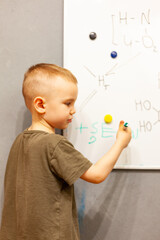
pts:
pixel 42 127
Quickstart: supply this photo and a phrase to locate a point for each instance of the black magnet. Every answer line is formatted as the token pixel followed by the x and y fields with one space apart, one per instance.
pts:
pixel 93 35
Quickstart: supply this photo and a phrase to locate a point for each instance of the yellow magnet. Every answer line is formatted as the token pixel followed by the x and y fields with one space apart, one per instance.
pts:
pixel 108 118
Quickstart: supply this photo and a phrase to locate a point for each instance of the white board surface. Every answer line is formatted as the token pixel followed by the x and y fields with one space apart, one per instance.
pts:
pixel 126 87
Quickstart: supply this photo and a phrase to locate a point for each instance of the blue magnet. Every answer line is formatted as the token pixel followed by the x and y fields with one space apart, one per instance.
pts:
pixel 114 54
pixel 93 35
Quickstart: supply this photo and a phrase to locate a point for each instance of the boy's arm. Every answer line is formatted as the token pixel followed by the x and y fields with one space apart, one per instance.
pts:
pixel 98 172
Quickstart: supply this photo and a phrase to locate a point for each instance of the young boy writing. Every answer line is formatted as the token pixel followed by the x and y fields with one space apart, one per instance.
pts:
pixel 42 167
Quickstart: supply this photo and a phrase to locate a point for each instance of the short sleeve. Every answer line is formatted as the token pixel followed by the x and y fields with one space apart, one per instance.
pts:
pixel 68 163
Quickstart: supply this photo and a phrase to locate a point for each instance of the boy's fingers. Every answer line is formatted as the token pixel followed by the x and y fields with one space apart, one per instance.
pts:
pixel 121 124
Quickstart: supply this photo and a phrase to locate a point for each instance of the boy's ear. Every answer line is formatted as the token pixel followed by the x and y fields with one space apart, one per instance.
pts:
pixel 39 105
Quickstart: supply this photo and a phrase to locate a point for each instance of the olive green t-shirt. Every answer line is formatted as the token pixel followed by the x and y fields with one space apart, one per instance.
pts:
pixel 39 202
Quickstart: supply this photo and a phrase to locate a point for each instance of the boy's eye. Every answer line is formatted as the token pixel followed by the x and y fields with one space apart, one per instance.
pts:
pixel 68 103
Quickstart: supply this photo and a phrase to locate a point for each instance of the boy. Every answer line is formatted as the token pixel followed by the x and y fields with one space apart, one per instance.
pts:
pixel 39 201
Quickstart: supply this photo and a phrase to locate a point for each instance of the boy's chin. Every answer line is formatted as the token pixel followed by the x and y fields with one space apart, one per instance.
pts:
pixel 62 127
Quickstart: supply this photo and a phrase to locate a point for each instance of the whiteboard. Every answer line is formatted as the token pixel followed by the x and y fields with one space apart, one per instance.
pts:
pixel 127 87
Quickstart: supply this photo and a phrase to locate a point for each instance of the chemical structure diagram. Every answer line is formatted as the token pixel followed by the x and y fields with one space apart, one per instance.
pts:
pixel 102 78
pixel 121 22
pixel 146 105
pixel 125 19
pixel 103 81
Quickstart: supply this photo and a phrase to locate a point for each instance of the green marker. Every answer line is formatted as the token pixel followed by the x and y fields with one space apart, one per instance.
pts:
pixel 125 126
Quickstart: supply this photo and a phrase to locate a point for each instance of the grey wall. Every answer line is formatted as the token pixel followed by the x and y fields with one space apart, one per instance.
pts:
pixel 124 207
pixel 30 32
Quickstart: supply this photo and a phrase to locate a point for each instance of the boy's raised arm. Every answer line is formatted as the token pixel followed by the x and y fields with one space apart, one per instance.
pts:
pixel 99 171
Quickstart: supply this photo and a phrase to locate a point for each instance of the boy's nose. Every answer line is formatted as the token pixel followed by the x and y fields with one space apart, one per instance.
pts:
pixel 73 111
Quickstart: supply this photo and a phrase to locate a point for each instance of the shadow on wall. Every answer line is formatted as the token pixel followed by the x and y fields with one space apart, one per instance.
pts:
pixel 1 201
pixel 24 120
pixel 104 217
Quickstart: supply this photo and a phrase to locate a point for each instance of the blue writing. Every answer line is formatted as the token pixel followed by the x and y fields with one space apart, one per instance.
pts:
pixel 96 129
pixel 81 128
pixel 135 134
pixel 92 139
pixel 107 132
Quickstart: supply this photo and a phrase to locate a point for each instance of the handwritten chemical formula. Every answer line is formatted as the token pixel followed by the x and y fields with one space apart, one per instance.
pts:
pixel 147 125
pixel 102 79
pixel 126 35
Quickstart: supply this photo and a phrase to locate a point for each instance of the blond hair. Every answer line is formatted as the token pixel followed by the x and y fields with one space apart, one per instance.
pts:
pixel 37 78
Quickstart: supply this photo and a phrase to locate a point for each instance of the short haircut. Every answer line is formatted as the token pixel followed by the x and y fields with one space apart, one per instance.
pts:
pixel 38 76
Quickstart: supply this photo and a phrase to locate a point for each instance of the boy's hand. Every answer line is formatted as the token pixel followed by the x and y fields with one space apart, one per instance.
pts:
pixel 100 170
pixel 123 135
